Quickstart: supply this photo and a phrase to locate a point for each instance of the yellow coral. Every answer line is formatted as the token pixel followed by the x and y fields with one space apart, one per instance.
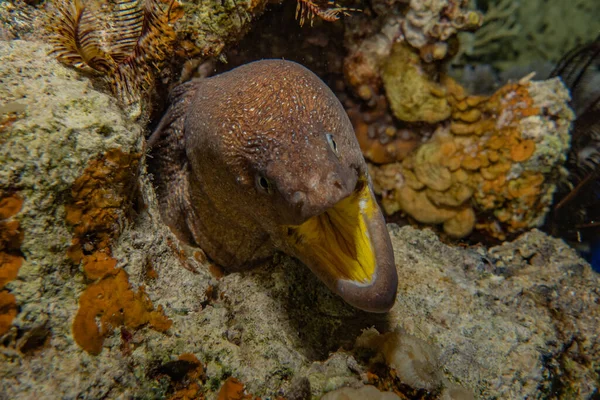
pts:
pixel 481 165
pixel 412 95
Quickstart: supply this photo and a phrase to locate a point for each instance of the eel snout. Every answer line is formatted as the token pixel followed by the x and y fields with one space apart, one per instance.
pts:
pixel 348 247
pixel 379 294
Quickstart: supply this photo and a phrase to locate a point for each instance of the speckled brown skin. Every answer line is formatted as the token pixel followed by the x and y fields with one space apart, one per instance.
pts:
pixel 240 157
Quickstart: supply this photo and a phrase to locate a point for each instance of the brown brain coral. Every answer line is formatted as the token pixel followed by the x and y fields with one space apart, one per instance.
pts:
pixel 492 168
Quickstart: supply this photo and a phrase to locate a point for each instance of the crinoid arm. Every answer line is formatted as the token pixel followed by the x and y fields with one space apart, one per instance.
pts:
pixel 75 37
pixel 127 41
pixel 330 11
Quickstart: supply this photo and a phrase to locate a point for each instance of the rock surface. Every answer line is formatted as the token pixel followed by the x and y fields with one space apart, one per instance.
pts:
pixel 514 321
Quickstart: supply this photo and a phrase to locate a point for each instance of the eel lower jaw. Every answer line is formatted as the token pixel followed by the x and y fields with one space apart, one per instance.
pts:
pixel 348 247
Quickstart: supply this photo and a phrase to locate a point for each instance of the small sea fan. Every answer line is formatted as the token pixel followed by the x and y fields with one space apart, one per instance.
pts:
pixel 576 215
pixel 125 41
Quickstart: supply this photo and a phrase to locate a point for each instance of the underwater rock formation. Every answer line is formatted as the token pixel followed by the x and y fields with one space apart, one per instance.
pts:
pixel 517 320
pixel 494 168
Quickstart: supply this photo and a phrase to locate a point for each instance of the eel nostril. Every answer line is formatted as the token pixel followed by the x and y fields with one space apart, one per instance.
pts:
pixel 298 199
pixel 335 180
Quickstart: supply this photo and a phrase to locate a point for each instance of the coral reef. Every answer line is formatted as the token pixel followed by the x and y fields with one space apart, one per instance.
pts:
pixel 471 162
pixel 519 320
pixel 426 25
pixel 494 167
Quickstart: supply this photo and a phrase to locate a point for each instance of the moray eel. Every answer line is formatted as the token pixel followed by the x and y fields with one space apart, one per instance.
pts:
pixel 264 158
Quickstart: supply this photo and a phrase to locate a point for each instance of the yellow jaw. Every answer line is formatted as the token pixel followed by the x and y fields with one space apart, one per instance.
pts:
pixel 337 242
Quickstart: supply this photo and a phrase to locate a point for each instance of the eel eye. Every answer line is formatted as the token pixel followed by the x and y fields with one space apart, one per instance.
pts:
pixel 263 183
pixel 332 142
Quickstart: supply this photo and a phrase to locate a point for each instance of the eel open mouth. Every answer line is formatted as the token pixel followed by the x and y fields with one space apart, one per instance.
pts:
pixel 348 247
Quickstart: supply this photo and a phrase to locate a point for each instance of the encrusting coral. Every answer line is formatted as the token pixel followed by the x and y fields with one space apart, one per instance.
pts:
pixel 95 213
pixel 98 196
pixel 493 167
pixel 109 303
pixel 10 257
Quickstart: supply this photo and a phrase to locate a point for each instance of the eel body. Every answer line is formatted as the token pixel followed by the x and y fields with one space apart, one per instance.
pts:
pixel 264 158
